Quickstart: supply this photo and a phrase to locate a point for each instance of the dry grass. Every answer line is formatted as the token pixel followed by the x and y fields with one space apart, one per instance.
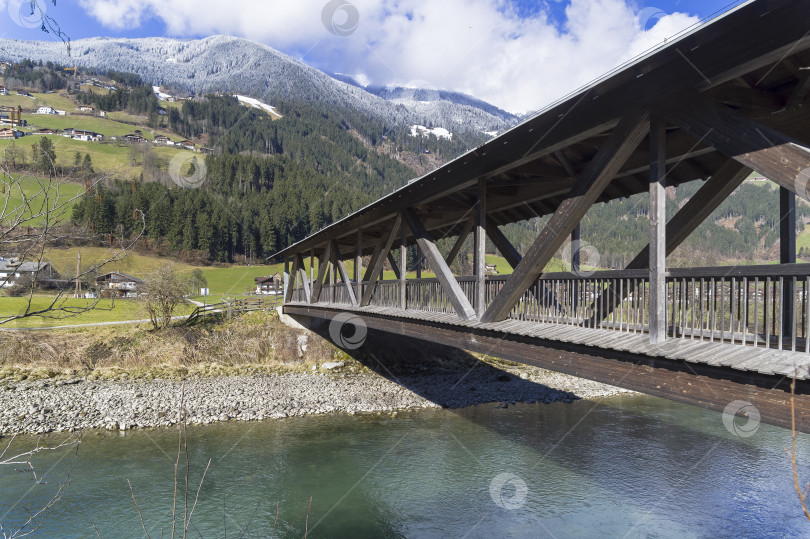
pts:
pixel 255 342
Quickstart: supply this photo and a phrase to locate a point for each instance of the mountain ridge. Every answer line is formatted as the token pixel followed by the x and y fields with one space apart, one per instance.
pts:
pixel 230 64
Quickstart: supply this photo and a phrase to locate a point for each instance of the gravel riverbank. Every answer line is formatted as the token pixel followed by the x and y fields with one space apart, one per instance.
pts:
pixel 73 404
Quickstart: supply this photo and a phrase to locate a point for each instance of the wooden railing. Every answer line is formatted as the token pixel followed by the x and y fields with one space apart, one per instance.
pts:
pixel 236 306
pixel 737 305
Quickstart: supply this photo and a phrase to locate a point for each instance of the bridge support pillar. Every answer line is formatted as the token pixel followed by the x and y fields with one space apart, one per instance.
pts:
pixel 658 222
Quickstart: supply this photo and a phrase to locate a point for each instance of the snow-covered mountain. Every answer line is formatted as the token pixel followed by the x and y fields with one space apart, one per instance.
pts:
pixel 239 66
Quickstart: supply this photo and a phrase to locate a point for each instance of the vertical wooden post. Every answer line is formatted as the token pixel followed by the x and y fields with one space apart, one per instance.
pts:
pixel 575 260
pixel 479 254
pixel 311 268
pixel 403 269
pixel 418 262
pixel 286 279
pixel 787 255
pixel 332 263
pixel 358 265
pixel 658 222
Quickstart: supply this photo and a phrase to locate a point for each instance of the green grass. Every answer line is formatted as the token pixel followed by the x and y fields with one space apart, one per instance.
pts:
pixel 58 101
pixel 18 101
pixel 107 127
pixel 41 194
pixel 135 264
pixel 105 311
pixel 107 157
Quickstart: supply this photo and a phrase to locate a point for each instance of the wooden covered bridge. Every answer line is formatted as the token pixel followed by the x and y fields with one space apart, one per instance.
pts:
pixel 713 104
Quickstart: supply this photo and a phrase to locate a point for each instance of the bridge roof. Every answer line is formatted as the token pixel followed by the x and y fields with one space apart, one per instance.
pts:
pixel 751 59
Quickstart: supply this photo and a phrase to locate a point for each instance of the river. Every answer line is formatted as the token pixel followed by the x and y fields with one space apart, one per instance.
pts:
pixel 624 466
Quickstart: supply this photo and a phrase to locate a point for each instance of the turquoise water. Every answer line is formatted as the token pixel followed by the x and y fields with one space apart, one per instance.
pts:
pixel 617 467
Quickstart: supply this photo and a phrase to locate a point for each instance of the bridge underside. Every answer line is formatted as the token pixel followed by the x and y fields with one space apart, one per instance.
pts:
pixel 708 375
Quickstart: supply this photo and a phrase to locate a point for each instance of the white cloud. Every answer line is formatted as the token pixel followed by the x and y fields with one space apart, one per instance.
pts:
pixel 477 46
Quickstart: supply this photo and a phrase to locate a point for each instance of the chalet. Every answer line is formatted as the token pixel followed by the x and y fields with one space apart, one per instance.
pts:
pixel 117 284
pixel 12 122
pixel 207 151
pixel 11 271
pixel 68 132
pixel 163 139
pixel 85 108
pixel 45 110
pixel 87 136
pixel 187 144
pixel 269 285
pixel 10 133
pixel 3 90
pixel 133 138
pixel 43 131
pixel 24 94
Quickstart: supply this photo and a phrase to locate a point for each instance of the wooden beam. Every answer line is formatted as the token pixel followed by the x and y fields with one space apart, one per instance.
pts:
pixel 504 246
pixel 373 260
pixel 658 239
pixel 293 278
pixel 479 250
pixel 302 274
pixel 776 156
pixel 600 171
pixel 376 266
pixel 288 286
pixel 393 265
pixel 468 226
pixel 696 210
pixel 344 276
pixel 787 255
pixel 322 264
pixel 800 91
pixel 358 263
pixel 332 265
pixel 403 263
pixel 448 282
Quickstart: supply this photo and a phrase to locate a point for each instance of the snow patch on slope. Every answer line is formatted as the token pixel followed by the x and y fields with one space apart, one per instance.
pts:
pixel 255 103
pixel 438 132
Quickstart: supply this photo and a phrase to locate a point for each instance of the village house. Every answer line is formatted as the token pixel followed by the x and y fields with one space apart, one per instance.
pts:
pixel 43 131
pixel 9 133
pixel 186 144
pixel 133 138
pixel 117 284
pixel 86 108
pixel 86 135
pixel 45 110
pixel 269 285
pixel 3 90
pixel 12 271
pixel 163 139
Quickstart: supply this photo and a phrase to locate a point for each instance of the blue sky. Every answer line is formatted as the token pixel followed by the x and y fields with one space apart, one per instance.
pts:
pixel 481 47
